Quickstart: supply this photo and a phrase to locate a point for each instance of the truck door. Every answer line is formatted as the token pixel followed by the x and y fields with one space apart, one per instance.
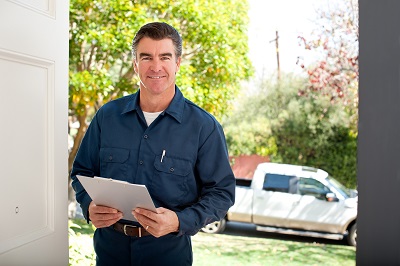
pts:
pixel 313 211
pixel 274 203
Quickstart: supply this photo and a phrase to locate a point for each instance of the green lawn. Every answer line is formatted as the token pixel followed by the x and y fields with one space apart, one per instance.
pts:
pixel 230 249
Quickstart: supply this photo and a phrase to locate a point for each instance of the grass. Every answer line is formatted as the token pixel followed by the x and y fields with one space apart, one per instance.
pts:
pixel 234 248
pixel 81 243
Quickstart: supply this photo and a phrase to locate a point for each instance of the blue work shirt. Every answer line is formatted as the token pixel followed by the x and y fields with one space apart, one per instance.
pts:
pixel 194 177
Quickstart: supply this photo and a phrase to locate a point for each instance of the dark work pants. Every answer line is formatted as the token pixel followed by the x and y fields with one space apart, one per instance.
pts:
pixel 115 248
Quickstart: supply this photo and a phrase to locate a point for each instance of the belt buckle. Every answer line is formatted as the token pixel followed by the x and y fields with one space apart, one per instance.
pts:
pixel 128 225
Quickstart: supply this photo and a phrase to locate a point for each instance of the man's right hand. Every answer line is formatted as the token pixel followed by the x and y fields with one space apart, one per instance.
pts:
pixel 102 216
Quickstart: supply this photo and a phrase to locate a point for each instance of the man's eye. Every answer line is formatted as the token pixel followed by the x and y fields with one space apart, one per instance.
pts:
pixel 146 58
pixel 165 58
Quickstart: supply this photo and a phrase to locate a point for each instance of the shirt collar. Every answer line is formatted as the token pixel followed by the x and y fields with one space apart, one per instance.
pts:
pixel 175 108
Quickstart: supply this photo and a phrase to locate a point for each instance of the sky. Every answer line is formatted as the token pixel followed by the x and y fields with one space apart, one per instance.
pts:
pixel 290 18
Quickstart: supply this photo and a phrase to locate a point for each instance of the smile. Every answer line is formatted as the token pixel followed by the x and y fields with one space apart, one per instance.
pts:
pixel 155 77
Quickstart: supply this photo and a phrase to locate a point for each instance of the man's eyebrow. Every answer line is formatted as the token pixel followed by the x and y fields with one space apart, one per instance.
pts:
pixel 166 54
pixel 141 55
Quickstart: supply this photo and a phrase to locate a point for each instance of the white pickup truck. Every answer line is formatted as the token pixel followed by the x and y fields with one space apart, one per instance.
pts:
pixel 296 200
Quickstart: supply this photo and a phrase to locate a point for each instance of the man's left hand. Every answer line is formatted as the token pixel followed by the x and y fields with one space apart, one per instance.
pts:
pixel 158 224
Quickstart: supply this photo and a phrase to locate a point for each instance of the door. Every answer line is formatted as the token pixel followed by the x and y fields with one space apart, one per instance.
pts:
pixel 33 135
pixel 313 211
pixel 315 214
pixel 273 204
pixel 272 208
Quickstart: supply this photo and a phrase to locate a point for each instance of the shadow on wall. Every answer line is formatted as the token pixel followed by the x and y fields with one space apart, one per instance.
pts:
pixel 243 166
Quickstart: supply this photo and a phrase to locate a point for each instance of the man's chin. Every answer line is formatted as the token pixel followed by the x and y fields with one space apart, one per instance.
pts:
pixel 159 88
pixel 156 90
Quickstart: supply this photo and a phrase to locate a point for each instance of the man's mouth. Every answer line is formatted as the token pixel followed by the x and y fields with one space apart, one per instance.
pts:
pixel 155 77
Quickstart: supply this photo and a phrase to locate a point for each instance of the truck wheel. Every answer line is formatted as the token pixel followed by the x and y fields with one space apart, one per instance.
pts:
pixel 215 227
pixel 352 236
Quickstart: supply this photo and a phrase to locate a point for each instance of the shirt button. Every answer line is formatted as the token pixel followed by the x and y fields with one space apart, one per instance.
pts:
pixel 171 169
pixel 140 162
pixel 145 136
pixel 110 158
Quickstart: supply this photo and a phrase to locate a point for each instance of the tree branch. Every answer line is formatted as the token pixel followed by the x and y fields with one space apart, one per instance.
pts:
pixel 93 49
pixel 77 140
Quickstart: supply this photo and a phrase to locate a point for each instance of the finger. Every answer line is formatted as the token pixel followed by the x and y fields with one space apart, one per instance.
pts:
pixel 105 219
pixel 103 209
pixel 98 216
pixel 161 210
pixel 104 223
pixel 108 216
pixel 144 220
pixel 149 214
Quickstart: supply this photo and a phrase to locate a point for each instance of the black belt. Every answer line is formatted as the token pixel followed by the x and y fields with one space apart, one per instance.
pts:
pixel 130 230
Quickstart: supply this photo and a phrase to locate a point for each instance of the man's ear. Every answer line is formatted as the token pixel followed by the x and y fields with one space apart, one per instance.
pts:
pixel 135 66
pixel 178 64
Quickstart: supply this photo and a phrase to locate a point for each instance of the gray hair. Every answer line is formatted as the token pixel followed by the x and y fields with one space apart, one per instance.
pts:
pixel 158 31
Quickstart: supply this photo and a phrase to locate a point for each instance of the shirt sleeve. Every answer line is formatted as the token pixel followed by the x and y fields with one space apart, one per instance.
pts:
pixel 218 185
pixel 86 163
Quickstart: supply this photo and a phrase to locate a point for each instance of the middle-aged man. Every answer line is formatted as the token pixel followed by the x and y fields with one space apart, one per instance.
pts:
pixel 157 138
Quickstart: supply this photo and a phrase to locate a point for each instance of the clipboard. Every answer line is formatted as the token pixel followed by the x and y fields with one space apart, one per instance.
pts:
pixel 120 195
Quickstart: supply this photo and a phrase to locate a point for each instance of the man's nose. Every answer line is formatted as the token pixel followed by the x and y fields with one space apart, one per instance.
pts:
pixel 156 65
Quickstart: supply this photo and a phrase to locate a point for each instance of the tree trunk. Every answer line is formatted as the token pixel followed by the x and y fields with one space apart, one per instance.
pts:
pixel 77 142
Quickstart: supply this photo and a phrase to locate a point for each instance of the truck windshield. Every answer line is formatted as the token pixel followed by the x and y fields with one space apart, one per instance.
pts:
pixel 342 189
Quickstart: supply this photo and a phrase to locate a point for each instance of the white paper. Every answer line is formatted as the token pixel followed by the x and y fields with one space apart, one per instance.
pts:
pixel 117 194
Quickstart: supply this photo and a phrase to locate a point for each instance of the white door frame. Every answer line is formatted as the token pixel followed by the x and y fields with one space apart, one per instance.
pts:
pixel 33 135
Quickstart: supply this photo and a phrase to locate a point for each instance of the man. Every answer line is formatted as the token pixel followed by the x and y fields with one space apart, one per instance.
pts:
pixel 157 138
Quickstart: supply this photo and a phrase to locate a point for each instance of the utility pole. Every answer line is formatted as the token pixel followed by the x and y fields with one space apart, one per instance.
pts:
pixel 277 53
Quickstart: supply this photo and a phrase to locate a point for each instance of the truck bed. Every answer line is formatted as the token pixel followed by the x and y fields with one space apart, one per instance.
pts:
pixel 241 210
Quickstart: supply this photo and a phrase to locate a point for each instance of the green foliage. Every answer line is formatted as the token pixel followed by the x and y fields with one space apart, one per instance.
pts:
pixel 306 125
pixel 335 39
pixel 249 128
pixel 81 250
pixel 100 65
pixel 303 130
pixel 248 138
pixel 214 38
pixel 340 157
pixel 335 75
pixel 315 133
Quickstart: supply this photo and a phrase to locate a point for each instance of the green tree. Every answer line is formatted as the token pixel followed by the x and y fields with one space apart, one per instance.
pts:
pixel 311 131
pixel 292 128
pixel 99 63
pixel 335 74
pixel 335 42
pixel 214 61
pixel 249 127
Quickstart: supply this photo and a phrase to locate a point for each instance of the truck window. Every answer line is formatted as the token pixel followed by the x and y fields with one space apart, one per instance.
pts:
pixel 241 182
pixel 280 183
pixel 312 187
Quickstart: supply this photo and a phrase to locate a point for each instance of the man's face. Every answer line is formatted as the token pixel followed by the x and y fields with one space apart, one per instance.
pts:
pixel 156 64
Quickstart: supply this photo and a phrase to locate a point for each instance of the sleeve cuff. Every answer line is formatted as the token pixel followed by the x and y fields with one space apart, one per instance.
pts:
pixel 85 207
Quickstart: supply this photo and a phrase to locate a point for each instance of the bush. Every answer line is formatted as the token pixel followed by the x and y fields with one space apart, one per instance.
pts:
pixel 309 130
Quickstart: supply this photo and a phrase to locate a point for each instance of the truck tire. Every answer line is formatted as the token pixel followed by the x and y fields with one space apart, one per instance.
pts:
pixel 352 235
pixel 215 227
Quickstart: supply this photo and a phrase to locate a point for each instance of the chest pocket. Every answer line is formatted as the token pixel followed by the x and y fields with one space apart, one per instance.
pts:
pixel 114 163
pixel 170 180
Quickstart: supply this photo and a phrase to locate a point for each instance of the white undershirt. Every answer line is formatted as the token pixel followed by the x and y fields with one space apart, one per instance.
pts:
pixel 150 117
